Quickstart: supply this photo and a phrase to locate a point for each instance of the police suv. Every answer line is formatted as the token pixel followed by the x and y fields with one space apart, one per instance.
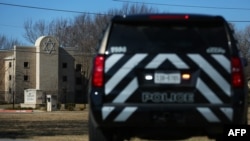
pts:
pixel 166 76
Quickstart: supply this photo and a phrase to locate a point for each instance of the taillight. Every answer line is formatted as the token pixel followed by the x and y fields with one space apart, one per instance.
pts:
pixel 237 72
pixel 98 71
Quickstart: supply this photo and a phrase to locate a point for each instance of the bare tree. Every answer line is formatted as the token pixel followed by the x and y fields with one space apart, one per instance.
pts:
pixel 243 37
pixel 83 28
pixel 61 29
pixel 8 43
pixel 34 30
pixel 83 31
pixel 137 9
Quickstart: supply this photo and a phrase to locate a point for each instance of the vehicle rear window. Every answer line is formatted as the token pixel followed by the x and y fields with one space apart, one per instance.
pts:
pixel 154 37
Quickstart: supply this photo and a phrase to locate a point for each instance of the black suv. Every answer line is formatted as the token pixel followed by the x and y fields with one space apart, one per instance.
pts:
pixel 166 76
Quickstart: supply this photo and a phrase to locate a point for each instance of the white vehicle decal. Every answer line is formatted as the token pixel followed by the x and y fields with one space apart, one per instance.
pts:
pixel 211 72
pixel 207 92
pixel 173 58
pixel 127 92
pixel 106 110
pixel 208 114
pixel 217 50
pixel 118 49
pixel 228 112
pixel 125 114
pixel 123 71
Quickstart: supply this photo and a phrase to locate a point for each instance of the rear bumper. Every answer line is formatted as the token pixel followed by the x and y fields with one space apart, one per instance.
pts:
pixel 171 121
pixel 166 115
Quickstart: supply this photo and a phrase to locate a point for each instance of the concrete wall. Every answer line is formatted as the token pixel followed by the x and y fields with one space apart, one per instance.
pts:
pixel 25 70
pixel 47 57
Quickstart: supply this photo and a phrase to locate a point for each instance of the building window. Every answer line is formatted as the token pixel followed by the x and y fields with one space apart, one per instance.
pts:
pixel 65 78
pixel 26 65
pixel 78 80
pixel 64 65
pixel 79 93
pixel 78 67
pixel 10 64
pixel 26 78
pixel 9 77
pixel 9 90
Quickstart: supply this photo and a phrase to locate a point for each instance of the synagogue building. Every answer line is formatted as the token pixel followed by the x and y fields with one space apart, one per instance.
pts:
pixel 44 67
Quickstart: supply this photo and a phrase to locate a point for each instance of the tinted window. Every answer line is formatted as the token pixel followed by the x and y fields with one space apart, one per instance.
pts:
pixel 167 37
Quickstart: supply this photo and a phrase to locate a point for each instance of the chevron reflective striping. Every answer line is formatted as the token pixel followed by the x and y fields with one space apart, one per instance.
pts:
pixel 123 71
pixel 228 112
pixel 223 61
pixel 207 93
pixel 127 92
pixel 173 58
pixel 106 110
pixel 125 114
pixel 114 58
pixel 208 114
pixel 211 72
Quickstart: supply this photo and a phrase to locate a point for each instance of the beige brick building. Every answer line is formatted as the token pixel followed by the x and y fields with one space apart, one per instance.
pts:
pixel 46 67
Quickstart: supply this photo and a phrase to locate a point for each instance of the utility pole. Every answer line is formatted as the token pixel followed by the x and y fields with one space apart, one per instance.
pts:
pixel 13 82
pixel 13 104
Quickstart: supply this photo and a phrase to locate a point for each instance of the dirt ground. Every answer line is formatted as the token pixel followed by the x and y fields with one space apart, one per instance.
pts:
pixel 50 126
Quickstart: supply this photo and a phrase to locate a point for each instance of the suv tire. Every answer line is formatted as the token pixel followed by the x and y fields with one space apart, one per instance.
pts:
pixel 96 134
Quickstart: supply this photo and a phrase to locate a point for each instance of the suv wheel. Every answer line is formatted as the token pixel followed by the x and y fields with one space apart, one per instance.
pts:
pixel 95 134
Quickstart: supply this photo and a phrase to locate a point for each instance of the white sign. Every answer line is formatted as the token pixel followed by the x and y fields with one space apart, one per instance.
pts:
pixel 167 78
pixel 30 97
